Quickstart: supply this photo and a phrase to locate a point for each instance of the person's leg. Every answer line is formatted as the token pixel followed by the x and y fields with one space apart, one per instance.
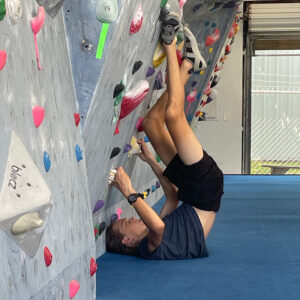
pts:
pixel 154 125
pixel 186 143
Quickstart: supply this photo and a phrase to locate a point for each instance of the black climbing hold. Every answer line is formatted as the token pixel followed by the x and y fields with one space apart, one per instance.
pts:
pixel 148 192
pixel 137 66
pixel 118 89
pixel 115 152
pixel 102 227
pixel 215 81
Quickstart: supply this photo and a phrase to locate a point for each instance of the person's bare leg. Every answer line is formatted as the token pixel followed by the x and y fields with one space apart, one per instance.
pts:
pixel 186 143
pixel 154 124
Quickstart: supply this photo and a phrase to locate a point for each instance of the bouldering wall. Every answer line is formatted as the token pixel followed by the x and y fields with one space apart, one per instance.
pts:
pixel 74 84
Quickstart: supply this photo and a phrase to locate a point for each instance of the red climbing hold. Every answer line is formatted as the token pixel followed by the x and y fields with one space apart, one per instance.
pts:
pixel 38 114
pixel 96 231
pixel 47 256
pixel 74 287
pixel 93 267
pixel 2 59
pixel 179 56
pixel 77 118
pixel 211 39
pixel 137 22
pixel 138 125
pixel 227 50
pixel 233 30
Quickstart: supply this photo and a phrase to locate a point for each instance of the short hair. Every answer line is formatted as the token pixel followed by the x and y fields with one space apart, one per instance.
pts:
pixel 114 243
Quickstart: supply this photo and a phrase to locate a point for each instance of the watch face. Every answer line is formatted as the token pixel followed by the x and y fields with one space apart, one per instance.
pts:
pixel 132 198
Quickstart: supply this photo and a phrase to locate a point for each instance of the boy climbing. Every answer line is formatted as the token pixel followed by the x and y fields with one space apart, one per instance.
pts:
pixel 191 176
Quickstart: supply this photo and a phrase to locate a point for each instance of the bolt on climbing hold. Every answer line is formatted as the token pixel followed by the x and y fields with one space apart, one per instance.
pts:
pixel 115 152
pixel 38 114
pixel 26 223
pixel 99 204
pixel 139 125
pixel 93 267
pixel 47 162
pixel 137 65
pixel 146 139
pixel 227 50
pixel 107 11
pixel 157 184
pixel 127 148
pixel 211 39
pixel 159 55
pixel 47 256
pixel 113 218
pixel 136 148
pixel 194 83
pixel 191 98
pixel 150 72
pixel 78 153
pixel 215 81
pixel 153 188
pixel 36 25
pixel 111 176
pixel 2 9
pixel 74 287
pixel 137 21
pixel 77 118
pixel 159 82
pixel 213 95
pixel 2 59
pixel 119 212
pixel 96 231
pixel 102 227
pixel 163 3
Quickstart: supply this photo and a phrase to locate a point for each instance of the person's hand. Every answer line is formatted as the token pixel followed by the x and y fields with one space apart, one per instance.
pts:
pixel 123 183
pixel 146 154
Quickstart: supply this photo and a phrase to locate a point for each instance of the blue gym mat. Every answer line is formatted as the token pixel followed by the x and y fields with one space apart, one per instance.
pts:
pixel 254 251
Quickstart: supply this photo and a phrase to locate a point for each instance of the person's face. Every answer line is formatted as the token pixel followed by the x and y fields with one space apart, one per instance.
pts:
pixel 133 230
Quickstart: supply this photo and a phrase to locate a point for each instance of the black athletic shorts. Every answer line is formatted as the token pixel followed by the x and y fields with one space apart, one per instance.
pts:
pixel 199 184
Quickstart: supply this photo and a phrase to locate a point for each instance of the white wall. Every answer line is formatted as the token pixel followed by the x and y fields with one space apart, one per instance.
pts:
pixel 221 134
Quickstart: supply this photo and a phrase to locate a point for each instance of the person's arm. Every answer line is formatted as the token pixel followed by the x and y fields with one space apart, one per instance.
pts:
pixel 154 223
pixel 169 189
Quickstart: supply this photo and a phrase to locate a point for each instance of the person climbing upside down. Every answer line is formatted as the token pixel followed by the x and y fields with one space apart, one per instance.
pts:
pixel 191 176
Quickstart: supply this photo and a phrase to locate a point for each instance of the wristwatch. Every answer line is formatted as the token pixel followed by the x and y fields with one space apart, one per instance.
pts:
pixel 133 197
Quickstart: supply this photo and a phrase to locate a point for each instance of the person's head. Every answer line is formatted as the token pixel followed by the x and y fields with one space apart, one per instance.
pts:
pixel 125 235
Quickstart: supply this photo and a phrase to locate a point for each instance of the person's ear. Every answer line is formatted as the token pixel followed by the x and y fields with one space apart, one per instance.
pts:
pixel 127 240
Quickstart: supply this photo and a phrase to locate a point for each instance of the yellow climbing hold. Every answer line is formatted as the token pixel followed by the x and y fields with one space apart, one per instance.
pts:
pixel 26 223
pixel 202 72
pixel 159 55
pixel 211 50
pixel 136 148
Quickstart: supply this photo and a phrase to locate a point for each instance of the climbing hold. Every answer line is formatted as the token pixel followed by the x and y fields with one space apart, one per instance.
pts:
pixel 135 147
pixel 115 152
pixel 2 9
pixel 102 227
pixel 208 88
pixel 217 6
pixel 78 152
pixel 119 212
pixel 153 188
pixel 232 41
pixel 218 67
pixel 159 55
pixel 114 218
pixel 202 72
pixel 47 256
pixel 211 50
pixel 139 125
pixel 206 23
pixel 119 88
pixel 93 267
pixel 2 59
pixel 47 162
pixel 26 223
pixel 202 116
pixel 212 96
pixel 77 118
pixel 179 57
pixel 107 11
pixel 191 98
pixel 157 184
pixel 127 148
pixel 52 7
pixel 227 50
pixel 38 114
pixel 198 95
pixel 137 66
pixel 36 25
pixel 211 39
pixel 234 30
pixel 194 83
pixel 148 192
pixel 98 206
pixel 146 139
pixel 150 72
pixel 137 21
pixel 144 195
pixel 158 159
pixel 96 232
pixel 159 82
pixel 180 35
pixel 215 81
pixel 181 3
pixel 112 175
pixel 74 287
pixel 163 3
pixel 132 99
pixel 213 25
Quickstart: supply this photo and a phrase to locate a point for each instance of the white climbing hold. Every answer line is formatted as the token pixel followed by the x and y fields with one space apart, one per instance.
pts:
pixel 26 223
pixel 112 175
pixel 14 10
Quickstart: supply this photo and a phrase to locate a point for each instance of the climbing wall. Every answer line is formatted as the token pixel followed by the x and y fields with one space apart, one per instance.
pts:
pixel 75 82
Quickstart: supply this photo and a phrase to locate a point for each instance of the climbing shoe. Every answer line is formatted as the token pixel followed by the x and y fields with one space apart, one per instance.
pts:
pixel 192 52
pixel 170 25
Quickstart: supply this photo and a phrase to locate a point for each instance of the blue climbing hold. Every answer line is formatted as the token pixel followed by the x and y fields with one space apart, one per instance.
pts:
pixel 146 139
pixel 114 218
pixel 150 72
pixel 206 23
pixel 198 95
pixel 47 162
pixel 127 148
pixel 153 188
pixel 213 25
pixel 98 205
pixel 159 83
pixel 78 152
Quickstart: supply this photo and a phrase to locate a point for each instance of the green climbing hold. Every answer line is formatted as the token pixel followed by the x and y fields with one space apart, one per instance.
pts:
pixel 163 3
pixel 2 9
pixel 158 159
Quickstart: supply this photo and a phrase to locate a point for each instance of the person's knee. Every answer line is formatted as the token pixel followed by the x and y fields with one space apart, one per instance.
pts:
pixel 173 113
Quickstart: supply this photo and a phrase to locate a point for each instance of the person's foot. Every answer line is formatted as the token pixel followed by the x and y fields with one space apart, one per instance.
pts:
pixel 170 26
pixel 192 52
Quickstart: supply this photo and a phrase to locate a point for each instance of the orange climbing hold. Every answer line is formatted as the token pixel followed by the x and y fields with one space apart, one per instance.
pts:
pixel 2 59
pixel 137 21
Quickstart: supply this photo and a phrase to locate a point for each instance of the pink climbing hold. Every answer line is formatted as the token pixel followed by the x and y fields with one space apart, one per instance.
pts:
pixel 137 21
pixel 93 267
pixel 47 256
pixel 181 3
pixel 218 68
pixel 179 56
pixel 2 59
pixel 233 30
pixel 74 287
pixel 211 39
pixel 191 98
pixel 132 99
pixel 208 89
pixel 36 25
pixel 77 118
pixel 38 114
pixel 139 125
pixel 119 211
